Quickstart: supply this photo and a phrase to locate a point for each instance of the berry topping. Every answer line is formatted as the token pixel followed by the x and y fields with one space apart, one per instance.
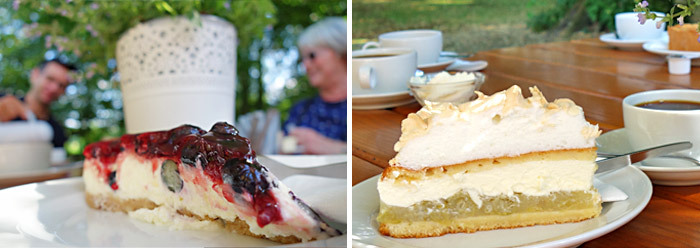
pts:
pixel 224 128
pixel 251 178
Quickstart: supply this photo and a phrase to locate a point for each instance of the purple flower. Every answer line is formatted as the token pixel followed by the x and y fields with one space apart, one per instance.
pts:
pixel 658 24
pixel 643 4
pixel 227 5
pixel 680 20
pixel 642 18
pixel 94 6
pixel 698 37
pixel 15 5
pixel 69 1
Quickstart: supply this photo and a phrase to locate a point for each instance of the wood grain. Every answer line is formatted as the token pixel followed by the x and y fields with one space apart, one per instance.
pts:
pixel 597 77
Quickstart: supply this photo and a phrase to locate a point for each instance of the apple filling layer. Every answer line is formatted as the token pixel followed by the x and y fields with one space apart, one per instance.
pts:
pixel 461 205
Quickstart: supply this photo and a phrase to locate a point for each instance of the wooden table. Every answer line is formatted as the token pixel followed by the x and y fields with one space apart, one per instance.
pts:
pixel 597 78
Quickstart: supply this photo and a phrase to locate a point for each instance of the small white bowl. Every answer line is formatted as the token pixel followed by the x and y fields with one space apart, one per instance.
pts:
pixel 25 156
pixel 453 92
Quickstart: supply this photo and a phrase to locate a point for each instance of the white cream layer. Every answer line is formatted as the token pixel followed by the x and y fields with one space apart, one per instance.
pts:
pixel 136 180
pixel 534 178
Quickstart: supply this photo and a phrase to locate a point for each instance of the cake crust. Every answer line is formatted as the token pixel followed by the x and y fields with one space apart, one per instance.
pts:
pixel 113 204
pixel 424 229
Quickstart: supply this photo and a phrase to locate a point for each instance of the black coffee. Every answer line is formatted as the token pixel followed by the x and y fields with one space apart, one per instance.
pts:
pixel 373 56
pixel 670 105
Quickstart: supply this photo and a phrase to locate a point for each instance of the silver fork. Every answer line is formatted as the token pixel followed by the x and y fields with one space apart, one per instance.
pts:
pixel 686 158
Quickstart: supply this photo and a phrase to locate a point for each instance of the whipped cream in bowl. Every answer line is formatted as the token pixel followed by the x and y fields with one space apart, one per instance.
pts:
pixel 442 87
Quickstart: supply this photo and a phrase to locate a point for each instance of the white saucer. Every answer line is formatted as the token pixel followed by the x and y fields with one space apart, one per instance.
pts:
pixel 611 40
pixel 441 64
pixel 381 101
pixel 630 180
pixel 661 48
pixel 662 171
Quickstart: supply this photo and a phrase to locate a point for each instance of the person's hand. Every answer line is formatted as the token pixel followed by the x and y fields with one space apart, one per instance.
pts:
pixel 11 108
pixel 315 143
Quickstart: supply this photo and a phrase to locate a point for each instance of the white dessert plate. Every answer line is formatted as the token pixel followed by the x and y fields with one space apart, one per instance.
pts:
pixel 54 213
pixel 662 171
pixel 661 47
pixel 632 181
pixel 613 41
pixel 308 161
pixel 381 101
pixel 442 63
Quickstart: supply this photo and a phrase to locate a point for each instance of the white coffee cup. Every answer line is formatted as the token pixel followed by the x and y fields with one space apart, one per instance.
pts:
pixel 647 127
pixel 382 70
pixel 427 43
pixel 628 27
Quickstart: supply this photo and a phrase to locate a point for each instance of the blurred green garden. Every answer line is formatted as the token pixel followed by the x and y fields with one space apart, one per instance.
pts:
pixel 84 32
pixel 470 26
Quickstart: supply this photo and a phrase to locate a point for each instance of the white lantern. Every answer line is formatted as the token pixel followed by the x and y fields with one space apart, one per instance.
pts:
pixel 174 72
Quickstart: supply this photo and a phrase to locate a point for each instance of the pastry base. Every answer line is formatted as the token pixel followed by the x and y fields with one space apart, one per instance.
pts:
pixel 114 204
pixel 422 229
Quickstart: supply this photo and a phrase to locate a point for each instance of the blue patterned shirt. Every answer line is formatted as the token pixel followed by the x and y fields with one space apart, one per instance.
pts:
pixel 329 119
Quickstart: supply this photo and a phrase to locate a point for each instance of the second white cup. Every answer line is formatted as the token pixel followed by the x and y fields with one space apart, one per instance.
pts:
pixel 628 27
pixel 427 43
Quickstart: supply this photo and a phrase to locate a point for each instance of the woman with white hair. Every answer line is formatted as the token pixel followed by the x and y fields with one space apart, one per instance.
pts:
pixel 319 124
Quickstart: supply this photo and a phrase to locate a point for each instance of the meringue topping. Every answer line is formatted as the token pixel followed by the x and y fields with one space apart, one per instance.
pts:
pixel 503 124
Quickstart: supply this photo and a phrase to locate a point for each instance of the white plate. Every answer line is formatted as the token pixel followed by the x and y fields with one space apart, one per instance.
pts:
pixel 661 48
pixel 611 40
pixel 54 213
pixel 365 205
pixel 381 101
pixel 442 62
pixel 308 161
pixel 662 171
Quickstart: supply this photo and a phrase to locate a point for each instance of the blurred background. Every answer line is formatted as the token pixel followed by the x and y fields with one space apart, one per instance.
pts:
pixel 469 26
pixel 269 69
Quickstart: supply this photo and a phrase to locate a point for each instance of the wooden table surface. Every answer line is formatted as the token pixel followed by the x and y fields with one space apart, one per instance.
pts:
pixel 597 78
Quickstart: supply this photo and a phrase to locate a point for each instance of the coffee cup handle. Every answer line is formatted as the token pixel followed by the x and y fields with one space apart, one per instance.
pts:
pixel 370 44
pixel 368 79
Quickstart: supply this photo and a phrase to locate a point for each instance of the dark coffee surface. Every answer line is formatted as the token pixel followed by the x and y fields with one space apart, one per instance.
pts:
pixel 670 105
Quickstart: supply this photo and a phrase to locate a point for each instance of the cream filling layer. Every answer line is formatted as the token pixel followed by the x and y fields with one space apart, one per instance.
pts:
pixel 137 180
pixel 535 178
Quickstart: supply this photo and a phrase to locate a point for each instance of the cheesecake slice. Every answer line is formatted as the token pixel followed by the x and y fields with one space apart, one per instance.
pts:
pixel 199 176
pixel 500 161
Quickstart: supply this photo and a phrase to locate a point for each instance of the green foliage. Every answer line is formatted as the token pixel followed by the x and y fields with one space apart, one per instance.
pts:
pixel 588 15
pixel 676 14
pixel 86 31
pixel 467 25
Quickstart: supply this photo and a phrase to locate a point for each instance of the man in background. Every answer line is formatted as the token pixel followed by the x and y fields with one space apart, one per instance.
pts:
pixel 48 82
